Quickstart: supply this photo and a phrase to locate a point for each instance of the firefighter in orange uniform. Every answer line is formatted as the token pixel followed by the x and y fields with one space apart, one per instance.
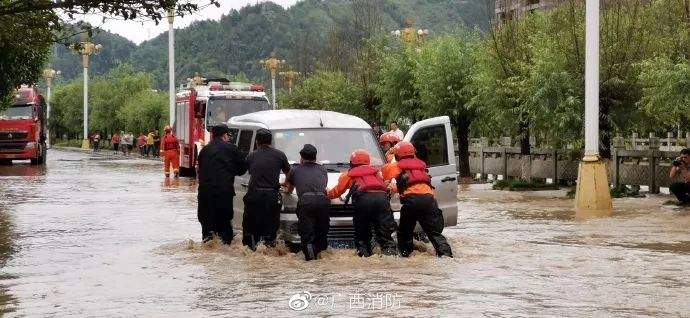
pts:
pixel 418 202
pixel 387 141
pixel 170 151
pixel 369 195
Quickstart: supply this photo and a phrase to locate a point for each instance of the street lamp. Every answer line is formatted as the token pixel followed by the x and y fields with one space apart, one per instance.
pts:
pixel 272 64
pixel 49 74
pixel 592 197
pixel 409 35
pixel 171 66
pixel 196 80
pixel 86 48
pixel 289 77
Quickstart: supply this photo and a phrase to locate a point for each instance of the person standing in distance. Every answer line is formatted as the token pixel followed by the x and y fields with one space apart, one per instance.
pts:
pixel 395 129
pixel 310 179
pixel 681 167
pixel 170 151
pixel 219 163
pixel 263 199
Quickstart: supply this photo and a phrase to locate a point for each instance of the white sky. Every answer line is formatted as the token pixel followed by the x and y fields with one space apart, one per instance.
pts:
pixel 138 32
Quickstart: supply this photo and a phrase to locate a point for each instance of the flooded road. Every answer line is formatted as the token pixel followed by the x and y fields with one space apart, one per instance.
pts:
pixel 90 236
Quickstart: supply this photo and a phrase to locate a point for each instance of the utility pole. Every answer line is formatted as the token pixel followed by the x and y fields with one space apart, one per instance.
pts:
pixel 289 78
pixel 171 66
pixel 86 49
pixel 49 75
pixel 593 197
pixel 272 64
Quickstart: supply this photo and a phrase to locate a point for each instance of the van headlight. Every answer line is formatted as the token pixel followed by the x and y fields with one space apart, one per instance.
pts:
pixel 30 145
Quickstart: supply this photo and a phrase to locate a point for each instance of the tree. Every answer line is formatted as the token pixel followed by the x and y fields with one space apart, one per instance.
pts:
pixel 666 92
pixel 395 88
pixel 327 91
pixel 145 111
pixel 29 28
pixel 24 47
pixel 121 99
pixel 443 76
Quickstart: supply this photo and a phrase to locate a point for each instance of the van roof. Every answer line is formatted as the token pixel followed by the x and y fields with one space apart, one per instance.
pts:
pixel 300 118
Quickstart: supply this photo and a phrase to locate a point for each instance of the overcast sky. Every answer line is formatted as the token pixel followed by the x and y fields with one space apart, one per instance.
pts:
pixel 139 32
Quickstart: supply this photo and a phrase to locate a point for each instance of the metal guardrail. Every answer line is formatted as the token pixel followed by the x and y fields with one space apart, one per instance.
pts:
pixel 649 167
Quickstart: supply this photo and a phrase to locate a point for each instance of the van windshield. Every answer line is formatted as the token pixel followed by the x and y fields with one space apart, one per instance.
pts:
pixel 334 146
pixel 219 111
pixel 17 112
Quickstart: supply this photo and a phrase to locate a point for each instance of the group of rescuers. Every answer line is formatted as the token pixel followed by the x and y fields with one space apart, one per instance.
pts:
pixel 369 189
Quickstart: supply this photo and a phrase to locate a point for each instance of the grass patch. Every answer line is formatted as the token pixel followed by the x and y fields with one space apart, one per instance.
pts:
pixel 616 192
pixel 626 192
pixel 522 185
pixel 68 143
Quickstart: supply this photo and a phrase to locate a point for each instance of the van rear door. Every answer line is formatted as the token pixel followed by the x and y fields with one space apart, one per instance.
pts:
pixel 433 139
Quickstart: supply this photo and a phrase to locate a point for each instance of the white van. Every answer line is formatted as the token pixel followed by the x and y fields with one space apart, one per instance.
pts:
pixel 336 135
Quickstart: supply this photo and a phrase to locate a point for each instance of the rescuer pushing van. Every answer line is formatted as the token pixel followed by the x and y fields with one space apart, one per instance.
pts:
pixel 263 199
pixel 219 163
pixel 369 194
pixel 418 201
pixel 310 179
pixel 388 140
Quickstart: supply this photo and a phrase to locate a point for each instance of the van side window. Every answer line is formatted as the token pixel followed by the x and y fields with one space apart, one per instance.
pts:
pixel 233 135
pixel 245 141
pixel 431 145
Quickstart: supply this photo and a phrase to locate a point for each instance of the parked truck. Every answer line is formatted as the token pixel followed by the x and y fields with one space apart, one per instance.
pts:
pixel 203 105
pixel 22 127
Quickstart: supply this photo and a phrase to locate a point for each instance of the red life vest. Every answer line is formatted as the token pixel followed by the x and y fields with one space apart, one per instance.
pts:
pixel 413 172
pixel 170 142
pixel 366 179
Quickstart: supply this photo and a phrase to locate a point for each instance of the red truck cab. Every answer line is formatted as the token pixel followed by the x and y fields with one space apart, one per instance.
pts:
pixel 22 127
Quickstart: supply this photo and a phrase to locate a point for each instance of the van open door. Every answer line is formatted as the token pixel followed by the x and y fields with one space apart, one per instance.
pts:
pixel 433 139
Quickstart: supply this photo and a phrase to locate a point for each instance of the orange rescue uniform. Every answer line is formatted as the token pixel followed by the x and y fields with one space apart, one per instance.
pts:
pixel 170 150
pixel 391 171
pixel 344 183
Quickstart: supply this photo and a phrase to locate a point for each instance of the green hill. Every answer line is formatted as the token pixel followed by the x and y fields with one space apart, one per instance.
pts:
pixel 311 34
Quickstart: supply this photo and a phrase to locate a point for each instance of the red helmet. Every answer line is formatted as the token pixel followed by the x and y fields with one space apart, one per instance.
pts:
pixel 389 137
pixel 360 157
pixel 405 149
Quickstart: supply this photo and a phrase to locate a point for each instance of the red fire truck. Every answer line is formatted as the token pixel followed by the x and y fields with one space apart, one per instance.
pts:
pixel 212 102
pixel 22 127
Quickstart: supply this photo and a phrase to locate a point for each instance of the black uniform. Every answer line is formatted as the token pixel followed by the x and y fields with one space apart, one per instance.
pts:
pixel 263 199
pixel 219 163
pixel 421 208
pixel 310 179
pixel 373 209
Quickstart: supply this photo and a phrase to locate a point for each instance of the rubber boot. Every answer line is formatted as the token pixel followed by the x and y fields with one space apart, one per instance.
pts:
pixel 363 249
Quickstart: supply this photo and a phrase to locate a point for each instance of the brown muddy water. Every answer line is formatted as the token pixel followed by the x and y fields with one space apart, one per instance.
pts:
pixel 96 237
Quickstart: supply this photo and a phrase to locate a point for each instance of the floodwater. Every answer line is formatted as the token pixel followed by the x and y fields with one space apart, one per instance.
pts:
pixel 91 236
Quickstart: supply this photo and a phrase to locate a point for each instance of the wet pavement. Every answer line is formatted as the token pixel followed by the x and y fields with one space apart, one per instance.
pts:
pixel 93 236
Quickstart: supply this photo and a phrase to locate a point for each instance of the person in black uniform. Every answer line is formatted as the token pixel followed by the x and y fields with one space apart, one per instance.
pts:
pixel 219 163
pixel 311 179
pixel 263 199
